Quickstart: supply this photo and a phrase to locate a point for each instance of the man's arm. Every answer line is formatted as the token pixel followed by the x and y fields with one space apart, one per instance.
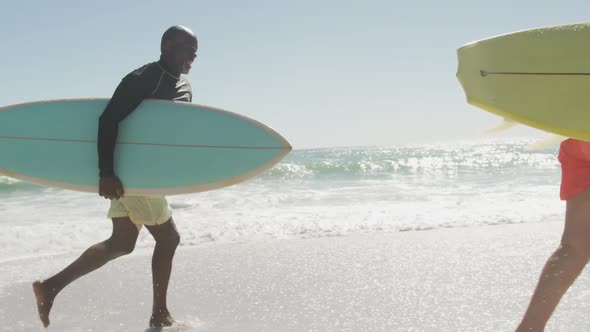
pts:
pixel 128 95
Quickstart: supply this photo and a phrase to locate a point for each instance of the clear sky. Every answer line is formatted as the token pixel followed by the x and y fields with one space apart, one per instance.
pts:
pixel 322 73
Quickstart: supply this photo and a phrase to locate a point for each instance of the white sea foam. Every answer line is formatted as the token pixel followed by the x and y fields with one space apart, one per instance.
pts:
pixel 314 193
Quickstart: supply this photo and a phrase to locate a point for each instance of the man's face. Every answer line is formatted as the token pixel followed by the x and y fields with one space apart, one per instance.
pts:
pixel 182 51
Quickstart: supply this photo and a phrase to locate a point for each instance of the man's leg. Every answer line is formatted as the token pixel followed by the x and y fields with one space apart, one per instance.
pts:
pixel 121 242
pixel 167 239
pixel 564 266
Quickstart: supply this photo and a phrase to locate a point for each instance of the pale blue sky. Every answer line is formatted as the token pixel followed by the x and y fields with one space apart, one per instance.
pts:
pixel 322 73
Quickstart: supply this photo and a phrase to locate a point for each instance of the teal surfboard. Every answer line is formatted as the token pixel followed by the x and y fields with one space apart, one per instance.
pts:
pixel 163 147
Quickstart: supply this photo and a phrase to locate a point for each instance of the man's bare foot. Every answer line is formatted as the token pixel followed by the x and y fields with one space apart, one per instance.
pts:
pixel 162 319
pixel 44 301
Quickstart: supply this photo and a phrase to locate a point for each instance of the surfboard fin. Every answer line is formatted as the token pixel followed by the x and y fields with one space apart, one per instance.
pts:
pixel 504 125
pixel 546 142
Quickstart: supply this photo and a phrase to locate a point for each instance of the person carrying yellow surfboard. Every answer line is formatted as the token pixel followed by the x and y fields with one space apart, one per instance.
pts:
pixel 573 253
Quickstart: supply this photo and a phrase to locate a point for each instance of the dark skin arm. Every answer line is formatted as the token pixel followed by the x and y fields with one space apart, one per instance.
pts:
pixel 128 95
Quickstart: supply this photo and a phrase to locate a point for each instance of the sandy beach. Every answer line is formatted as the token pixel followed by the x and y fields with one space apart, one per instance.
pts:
pixel 409 201
pixel 456 279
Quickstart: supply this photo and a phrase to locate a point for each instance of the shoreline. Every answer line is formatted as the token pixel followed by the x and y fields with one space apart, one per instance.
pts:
pixel 456 279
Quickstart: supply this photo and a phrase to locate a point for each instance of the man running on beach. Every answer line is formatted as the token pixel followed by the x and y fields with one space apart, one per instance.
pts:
pixel 156 80
pixel 572 255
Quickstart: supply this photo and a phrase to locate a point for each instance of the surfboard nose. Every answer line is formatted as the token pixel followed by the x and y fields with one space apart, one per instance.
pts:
pixel 537 77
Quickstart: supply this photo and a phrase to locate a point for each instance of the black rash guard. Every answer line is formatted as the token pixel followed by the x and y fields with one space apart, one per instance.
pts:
pixel 150 81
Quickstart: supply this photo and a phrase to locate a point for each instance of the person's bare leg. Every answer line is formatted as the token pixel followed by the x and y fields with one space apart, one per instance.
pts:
pixel 563 267
pixel 167 239
pixel 121 242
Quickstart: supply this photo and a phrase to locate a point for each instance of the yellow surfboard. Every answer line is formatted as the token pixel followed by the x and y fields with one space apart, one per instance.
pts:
pixel 538 77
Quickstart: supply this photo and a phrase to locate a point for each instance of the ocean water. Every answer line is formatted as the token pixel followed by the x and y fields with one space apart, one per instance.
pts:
pixel 314 193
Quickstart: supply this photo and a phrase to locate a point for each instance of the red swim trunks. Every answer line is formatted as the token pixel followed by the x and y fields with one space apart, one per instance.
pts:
pixel 574 156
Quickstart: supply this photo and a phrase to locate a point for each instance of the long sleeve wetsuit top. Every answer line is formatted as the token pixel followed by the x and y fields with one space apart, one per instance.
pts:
pixel 152 81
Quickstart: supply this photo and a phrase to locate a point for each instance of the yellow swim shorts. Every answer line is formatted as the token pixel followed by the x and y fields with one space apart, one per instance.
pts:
pixel 141 210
